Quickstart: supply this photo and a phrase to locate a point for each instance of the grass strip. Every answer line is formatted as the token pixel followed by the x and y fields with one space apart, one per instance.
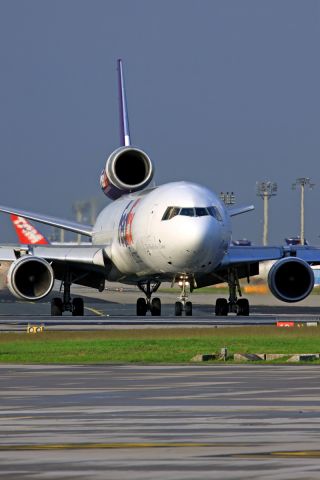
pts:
pixel 152 345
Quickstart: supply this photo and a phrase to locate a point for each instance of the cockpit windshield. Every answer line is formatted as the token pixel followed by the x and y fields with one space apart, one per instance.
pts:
pixel 213 211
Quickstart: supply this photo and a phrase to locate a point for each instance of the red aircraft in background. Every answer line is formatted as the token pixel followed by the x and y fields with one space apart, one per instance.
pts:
pixel 27 233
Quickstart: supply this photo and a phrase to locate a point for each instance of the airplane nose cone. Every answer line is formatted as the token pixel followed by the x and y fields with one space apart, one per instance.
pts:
pixel 194 242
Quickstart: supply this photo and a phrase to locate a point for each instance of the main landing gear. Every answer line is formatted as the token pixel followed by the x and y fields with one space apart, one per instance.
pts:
pixel 240 307
pixel 145 304
pixel 66 304
pixel 183 305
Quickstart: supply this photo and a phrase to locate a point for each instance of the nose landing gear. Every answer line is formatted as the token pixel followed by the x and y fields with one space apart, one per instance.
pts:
pixel 234 305
pixel 145 304
pixel 183 304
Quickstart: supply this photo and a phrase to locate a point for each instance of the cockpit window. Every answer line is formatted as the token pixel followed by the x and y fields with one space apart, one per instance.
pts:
pixel 214 212
pixel 188 212
pixel 192 212
pixel 170 213
pixel 201 212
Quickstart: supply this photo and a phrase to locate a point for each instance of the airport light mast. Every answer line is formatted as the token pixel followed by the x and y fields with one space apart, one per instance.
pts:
pixel 85 210
pixel 228 198
pixel 303 182
pixel 266 190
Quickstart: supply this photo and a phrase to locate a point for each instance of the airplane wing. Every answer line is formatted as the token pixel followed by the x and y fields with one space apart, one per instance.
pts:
pixel 238 255
pixel 53 221
pixel 246 259
pixel 233 211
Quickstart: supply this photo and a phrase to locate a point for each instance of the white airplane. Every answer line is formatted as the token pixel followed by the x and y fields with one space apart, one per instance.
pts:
pixel 177 232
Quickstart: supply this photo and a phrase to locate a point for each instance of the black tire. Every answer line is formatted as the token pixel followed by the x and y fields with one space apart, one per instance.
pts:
pixel 243 307
pixel 178 307
pixel 156 307
pixel 77 307
pixel 56 307
pixel 141 307
pixel 188 309
pixel 222 307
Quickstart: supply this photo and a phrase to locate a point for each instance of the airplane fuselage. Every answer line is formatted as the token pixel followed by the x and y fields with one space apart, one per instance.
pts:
pixel 175 228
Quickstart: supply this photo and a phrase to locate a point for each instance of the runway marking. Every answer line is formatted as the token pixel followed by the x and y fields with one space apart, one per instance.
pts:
pixel 115 445
pixel 94 310
pixel 303 453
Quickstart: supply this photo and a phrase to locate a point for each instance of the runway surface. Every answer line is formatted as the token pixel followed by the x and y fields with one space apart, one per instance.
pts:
pixel 160 422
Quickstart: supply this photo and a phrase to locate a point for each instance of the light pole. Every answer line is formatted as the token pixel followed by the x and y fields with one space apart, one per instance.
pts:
pixel 266 190
pixel 303 182
pixel 228 198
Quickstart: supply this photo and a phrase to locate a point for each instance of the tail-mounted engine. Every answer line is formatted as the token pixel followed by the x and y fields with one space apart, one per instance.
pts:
pixel 30 278
pixel 128 169
pixel 291 279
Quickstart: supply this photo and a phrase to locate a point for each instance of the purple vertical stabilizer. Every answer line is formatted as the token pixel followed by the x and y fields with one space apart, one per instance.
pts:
pixel 124 121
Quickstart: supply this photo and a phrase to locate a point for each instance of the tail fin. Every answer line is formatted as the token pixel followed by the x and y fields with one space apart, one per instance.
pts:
pixel 124 120
pixel 27 233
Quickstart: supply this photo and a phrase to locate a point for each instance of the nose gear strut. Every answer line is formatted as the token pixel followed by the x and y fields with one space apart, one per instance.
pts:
pixel 183 304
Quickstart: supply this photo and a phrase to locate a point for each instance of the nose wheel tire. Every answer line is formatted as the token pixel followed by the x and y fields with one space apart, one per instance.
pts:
pixel 178 307
pixel 56 307
pixel 155 307
pixel 243 307
pixel 77 307
pixel 141 307
pixel 222 307
pixel 188 309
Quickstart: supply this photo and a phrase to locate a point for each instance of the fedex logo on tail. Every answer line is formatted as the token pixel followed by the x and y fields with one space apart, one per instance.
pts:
pixel 27 233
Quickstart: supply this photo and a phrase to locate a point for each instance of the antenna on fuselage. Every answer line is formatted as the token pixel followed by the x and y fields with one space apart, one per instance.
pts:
pixel 124 120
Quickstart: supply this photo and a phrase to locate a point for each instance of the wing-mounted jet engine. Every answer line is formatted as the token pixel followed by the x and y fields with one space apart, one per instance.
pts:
pixel 30 278
pixel 291 279
pixel 128 169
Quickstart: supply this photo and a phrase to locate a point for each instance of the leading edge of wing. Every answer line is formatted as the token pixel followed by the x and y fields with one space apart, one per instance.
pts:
pixel 53 221
pixel 233 211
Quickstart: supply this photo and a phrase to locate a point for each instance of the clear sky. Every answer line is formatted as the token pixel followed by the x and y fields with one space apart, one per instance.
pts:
pixel 220 92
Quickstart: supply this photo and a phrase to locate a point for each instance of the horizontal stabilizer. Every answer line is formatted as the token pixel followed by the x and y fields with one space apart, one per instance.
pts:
pixel 53 221
pixel 238 210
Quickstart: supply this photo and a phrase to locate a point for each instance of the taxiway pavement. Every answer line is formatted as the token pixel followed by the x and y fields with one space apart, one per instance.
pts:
pixel 159 422
pixel 115 308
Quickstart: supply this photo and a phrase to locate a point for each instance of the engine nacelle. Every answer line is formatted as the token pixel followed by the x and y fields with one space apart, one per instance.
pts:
pixel 128 169
pixel 30 278
pixel 291 279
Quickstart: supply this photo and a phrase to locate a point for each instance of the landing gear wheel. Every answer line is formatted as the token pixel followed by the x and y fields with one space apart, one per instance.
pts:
pixel 243 307
pixel 188 309
pixel 178 307
pixel 77 307
pixel 56 307
pixel 155 307
pixel 141 307
pixel 222 308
